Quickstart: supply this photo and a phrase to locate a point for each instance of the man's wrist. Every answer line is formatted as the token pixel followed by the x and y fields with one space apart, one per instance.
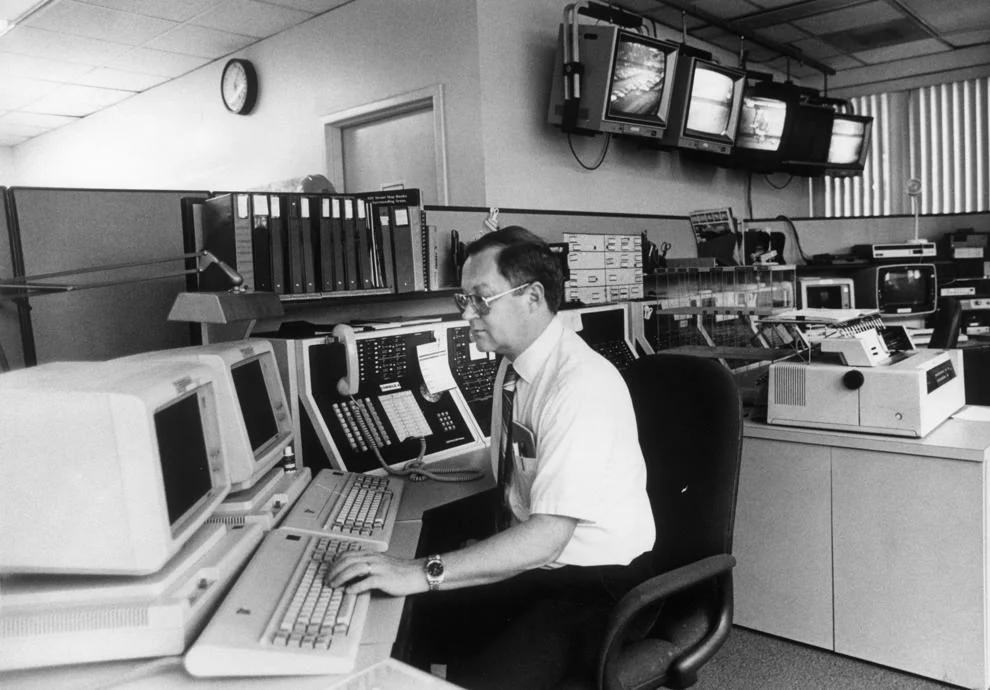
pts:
pixel 434 571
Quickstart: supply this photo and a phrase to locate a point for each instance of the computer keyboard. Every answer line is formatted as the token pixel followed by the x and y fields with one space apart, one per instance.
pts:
pixel 617 352
pixel 348 505
pixel 280 618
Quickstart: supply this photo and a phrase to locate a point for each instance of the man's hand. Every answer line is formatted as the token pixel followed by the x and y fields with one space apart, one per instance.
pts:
pixel 361 571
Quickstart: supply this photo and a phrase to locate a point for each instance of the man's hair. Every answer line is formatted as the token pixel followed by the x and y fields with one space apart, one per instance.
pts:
pixel 524 257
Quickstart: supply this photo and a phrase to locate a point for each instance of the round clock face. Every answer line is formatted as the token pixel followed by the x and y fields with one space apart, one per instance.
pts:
pixel 239 86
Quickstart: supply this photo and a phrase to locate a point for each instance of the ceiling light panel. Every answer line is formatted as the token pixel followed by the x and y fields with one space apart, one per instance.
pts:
pixel 79 19
pixel 844 19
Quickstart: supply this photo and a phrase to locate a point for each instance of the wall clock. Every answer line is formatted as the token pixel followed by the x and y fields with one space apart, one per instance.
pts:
pixel 239 86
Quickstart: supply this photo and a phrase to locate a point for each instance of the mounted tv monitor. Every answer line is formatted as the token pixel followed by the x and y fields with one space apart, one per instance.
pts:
pixel 826 293
pixel 255 423
pixel 626 85
pixel 765 120
pixel 805 149
pixel 848 145
pixel 705 106
pixel 106 468
pixel 898 289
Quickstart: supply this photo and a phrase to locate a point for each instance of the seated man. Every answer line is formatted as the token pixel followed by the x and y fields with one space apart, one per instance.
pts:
pixel 579 525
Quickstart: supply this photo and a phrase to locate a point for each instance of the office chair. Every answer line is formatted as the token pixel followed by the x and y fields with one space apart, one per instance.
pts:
pixel 948 323
pixel 661 632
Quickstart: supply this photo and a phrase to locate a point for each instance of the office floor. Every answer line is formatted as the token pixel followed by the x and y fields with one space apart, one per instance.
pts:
pixel 751 660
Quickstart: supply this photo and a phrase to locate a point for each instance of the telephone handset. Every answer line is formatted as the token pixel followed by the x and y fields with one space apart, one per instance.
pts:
pixel 348 385
pixel 402 411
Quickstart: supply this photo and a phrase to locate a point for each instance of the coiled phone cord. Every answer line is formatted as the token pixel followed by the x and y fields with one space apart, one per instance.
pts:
pixel 416 470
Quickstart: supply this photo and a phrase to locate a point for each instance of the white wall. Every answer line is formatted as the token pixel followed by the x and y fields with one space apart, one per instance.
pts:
pixel 7 174
pixel 179 136
pixel 528 163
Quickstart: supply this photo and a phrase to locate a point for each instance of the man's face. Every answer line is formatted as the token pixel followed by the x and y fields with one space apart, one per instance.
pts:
pixel 502 329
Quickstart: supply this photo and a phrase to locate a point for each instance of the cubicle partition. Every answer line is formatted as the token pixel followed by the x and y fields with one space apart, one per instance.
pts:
pixel 57 229
pixel 11 354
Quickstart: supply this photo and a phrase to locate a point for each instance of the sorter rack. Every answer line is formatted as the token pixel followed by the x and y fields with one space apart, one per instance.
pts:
pixel 715 311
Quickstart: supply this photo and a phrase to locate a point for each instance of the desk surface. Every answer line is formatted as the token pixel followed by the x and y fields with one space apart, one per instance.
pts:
pixel 381 628
pixel 958 439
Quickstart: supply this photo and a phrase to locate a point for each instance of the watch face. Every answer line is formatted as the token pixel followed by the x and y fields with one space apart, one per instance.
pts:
pixel 434 568
pixel 238 86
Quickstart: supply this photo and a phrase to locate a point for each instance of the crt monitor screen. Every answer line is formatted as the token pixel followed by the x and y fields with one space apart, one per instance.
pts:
pixel 827 293
pixel 638 80
pixel 809 138
pixel 850 141
pixel 904 289
pixel 761 123
pixel 710 103
pixel 255 404
pixel 183 455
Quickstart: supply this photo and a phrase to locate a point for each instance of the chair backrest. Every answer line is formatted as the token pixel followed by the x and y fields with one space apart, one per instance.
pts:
pixel 948 323
pixel 689 416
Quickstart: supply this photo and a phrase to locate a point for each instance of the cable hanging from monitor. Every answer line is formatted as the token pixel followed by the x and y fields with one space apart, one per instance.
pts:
pixel 601 156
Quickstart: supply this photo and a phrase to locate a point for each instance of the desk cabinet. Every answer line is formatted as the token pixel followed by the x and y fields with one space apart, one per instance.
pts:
pixel 871 546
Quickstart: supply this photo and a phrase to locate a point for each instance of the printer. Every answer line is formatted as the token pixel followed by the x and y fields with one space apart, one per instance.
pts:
pixel 860 386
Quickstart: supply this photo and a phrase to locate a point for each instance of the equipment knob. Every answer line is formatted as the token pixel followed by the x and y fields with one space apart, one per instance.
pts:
pixel 853 379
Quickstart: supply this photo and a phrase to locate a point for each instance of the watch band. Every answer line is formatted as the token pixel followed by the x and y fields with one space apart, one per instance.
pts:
pixel 434 570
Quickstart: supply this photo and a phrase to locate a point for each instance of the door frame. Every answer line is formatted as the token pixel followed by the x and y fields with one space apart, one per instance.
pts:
pixel 431 96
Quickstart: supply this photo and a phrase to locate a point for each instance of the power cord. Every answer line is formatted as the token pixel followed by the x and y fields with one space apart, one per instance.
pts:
pixel 601 157
pixel 416 470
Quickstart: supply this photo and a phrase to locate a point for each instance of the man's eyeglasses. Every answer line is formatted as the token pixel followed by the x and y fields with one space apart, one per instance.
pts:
pixel 483 305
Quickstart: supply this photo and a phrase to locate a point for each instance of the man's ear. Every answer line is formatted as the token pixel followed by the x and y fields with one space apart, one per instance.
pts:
pixel 536 294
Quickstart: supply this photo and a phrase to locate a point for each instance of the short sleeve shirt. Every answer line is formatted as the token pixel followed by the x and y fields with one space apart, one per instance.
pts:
pixel 577 449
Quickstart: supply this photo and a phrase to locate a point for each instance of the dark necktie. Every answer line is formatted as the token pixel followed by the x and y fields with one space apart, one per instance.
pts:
pixel 505 463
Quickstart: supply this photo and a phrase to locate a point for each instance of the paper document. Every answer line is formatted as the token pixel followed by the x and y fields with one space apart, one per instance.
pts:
pixel 434 367
pixel 973 413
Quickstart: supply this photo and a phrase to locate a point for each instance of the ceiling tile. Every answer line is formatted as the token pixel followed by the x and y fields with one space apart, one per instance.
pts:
pixel 120 79
pixel 40 68
pixel 201 41
pixel 951 15
pixel 726 9
pixel 72 99
pixel 27 40
pixel 815 48
pixel 842 20
pixel 162 63
pixel 251 18
pixel 319 6
pixel 175 10
pixel 901 51
pixel 79 19
pixel 16 92
pixel 781 33
pixel 969 38
pixel 36 119
pixel 11 139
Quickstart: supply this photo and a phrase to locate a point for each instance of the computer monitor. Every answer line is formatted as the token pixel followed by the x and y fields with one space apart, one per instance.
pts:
pixel 827 293
pixel 625 86
pixel 606 329
pixel 805 150
pixel 106 468
pixel 705 106
pixel 849 145
pixel 898 289
pixel 255 423
pixel 765 120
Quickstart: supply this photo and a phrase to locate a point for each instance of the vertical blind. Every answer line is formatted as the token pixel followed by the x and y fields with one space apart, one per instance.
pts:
pixel 938 135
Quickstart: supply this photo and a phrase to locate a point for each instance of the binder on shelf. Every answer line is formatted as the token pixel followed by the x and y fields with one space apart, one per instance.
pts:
pixel 311 267
pixel 382 226
pixel 319 209
pixel 350 243
pixel 278 232
pixel 407 248
pixel 218 238
pixel 337 243
pixel 363 245
pixel 261 242
pixel 295 275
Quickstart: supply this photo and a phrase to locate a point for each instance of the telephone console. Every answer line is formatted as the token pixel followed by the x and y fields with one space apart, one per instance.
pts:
pixel 364 391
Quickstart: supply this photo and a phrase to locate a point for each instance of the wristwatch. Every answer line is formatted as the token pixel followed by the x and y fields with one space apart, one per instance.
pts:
pixel 434 572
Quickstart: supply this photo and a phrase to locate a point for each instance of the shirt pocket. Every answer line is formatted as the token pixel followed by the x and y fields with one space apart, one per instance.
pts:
pixel 525 449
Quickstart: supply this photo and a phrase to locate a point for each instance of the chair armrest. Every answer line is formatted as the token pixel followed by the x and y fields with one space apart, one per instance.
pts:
pixel 647 592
